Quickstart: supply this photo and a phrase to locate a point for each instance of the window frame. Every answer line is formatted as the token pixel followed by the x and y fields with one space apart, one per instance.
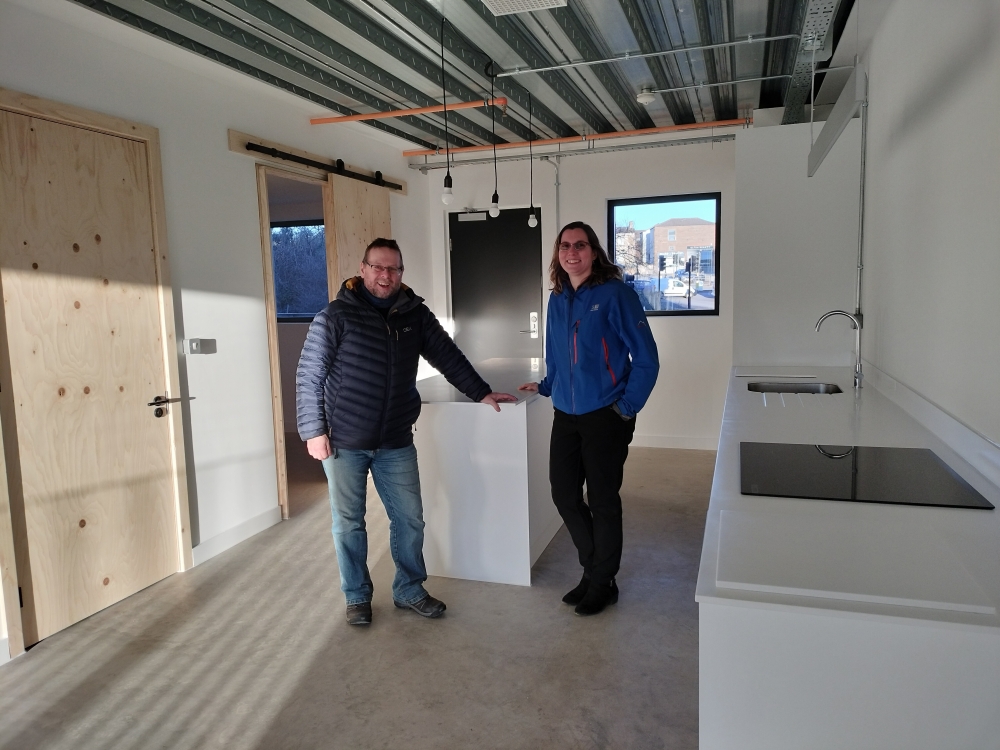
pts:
pixel 288 318
pixel 613 203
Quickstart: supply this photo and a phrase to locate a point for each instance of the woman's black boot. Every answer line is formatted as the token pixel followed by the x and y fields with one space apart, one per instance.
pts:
pixel 597 598
pixel 575 596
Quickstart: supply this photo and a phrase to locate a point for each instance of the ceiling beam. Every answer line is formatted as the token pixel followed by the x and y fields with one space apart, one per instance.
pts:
pixel 525 48
pixel 127 17
pixel 712 29
pixel 428 20
pixel 679 107
pixel 374 33
pixel 576 30
pixel 242 38
pixel 783 17
pixel 287 24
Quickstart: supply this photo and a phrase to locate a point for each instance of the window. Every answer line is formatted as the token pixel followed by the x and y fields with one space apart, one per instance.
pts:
pixel 670 279
pixel 298 250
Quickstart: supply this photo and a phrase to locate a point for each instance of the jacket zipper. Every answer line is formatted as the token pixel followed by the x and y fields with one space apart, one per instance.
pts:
pixel 572 391
pixel 388 376
pixel 607 362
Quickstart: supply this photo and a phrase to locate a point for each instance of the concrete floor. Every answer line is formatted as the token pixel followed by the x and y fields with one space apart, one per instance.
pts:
pixel 251 650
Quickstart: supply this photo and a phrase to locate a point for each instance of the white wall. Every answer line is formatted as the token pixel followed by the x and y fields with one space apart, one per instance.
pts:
pixel 933 208
pixel 62 51
pixel 685 409
pixel 797 240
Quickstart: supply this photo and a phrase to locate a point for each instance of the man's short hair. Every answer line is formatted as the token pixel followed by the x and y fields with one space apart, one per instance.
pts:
pixel 388 244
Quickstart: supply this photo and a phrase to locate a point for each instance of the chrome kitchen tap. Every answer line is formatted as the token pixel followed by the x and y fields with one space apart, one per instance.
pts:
pixel 858 375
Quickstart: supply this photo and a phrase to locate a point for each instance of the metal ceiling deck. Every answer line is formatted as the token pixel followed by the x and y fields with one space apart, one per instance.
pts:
pixel 360 56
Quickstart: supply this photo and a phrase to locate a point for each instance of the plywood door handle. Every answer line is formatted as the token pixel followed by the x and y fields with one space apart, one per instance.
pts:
pixel 161 400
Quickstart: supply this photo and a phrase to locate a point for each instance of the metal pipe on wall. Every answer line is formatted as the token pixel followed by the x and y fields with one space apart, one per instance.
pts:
pixel 555 165
pixel 587 137
pixel 426 166
pixel 640 56
pixel 861 201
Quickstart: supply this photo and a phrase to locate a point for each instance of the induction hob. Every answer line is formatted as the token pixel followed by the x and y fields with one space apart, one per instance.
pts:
pixel 865 474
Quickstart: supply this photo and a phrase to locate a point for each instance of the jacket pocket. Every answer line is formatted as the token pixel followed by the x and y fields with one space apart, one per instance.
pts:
pixel 607 362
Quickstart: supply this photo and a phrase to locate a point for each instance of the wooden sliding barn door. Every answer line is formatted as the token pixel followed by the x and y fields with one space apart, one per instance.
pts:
pixel 354 214
pixel 94 491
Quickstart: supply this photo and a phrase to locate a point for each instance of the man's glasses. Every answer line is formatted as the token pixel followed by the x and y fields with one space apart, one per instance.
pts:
pixel 391 270
pixel 578 246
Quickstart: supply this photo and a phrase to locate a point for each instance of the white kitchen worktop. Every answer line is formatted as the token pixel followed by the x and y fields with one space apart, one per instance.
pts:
pixel 503 375
pixel 940 564
pixel 833 624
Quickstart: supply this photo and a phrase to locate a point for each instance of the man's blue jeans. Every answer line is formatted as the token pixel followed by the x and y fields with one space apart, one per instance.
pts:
pixel 398 483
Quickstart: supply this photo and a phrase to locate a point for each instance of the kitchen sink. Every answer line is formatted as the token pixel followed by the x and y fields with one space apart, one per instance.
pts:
pixel 794 388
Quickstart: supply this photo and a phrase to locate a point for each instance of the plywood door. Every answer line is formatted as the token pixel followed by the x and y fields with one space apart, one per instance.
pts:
pixel 82 329
pixel 354 214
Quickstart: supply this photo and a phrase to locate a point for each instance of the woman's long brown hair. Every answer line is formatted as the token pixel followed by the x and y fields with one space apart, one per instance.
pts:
pixel 602 269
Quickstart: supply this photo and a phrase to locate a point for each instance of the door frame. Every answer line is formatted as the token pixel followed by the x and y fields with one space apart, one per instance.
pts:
pixel 13 534
pixel 271 311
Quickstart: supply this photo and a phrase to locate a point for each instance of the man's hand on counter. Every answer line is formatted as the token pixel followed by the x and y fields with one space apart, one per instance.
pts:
pixel 533 387
pixel 495 399
pixel 319 447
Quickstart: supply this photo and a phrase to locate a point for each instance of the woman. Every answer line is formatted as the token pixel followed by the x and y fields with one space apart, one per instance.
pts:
pixel 601 364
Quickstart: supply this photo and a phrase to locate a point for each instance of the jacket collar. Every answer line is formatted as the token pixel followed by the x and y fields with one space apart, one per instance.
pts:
pixel 350 292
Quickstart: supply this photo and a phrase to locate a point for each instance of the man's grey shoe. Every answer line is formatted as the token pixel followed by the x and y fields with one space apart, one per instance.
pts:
pixel 359 614
pixel 426 607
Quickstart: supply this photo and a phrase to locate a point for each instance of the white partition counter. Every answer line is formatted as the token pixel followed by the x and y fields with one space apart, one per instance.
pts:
pixel 484 476
pixel 832 624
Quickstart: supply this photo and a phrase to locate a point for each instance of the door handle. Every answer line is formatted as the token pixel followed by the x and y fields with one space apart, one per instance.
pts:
pixel 160 404
pixel 161 400
pixel 532 325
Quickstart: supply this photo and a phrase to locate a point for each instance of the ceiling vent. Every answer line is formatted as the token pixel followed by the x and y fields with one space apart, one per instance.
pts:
pixel 506 7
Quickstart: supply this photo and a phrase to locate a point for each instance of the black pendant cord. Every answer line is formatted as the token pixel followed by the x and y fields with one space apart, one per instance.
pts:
pixel 493 120
pixel 531 162
pixel 444 103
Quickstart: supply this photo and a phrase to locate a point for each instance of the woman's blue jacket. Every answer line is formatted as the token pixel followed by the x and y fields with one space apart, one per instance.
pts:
pixel 598 350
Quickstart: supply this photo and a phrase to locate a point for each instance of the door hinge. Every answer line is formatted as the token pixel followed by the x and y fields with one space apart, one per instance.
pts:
pixel 20 597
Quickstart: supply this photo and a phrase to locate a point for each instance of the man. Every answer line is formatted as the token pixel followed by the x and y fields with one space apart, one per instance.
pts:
pixel 357 402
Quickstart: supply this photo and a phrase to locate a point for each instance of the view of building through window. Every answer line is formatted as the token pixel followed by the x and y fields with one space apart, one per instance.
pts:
pixel 299 255
pixel 667 248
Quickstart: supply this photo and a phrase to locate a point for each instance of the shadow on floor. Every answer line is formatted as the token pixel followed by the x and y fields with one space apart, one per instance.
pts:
pixel 250 649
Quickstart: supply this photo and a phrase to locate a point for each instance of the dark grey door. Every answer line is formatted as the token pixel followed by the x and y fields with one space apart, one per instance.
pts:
pixel 496 284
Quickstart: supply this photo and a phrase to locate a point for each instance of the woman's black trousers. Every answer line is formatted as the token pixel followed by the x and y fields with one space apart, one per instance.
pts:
pixel 591 448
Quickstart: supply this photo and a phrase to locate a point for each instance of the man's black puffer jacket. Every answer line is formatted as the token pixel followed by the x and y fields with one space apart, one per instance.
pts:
pixel 357 376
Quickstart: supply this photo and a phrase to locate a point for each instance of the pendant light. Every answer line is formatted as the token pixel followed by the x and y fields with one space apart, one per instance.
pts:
pixel 495 205
pixel 532 219
pixel 446 196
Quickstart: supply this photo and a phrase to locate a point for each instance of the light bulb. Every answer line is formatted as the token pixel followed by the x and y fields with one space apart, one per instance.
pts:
pixel 494 206
pixel 532 220
pixel 447 196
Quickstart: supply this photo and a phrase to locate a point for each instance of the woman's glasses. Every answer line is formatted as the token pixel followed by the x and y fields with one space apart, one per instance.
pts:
pixel 391 270
pixel 578 246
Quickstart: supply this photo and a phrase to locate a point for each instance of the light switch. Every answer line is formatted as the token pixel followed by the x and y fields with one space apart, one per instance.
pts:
pixel 202 346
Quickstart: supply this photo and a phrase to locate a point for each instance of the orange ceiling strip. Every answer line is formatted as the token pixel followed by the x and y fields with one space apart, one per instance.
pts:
pixel 582 138
pixel 499 102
